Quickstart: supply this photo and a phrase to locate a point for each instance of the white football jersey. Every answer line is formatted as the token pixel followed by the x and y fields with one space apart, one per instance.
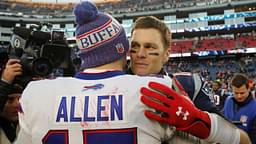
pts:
pixel 93 108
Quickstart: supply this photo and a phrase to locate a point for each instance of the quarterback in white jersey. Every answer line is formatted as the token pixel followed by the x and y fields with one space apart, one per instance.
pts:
pixel 94 108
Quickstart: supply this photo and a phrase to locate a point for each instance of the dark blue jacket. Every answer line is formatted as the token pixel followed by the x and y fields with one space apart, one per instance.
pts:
pixel 243 115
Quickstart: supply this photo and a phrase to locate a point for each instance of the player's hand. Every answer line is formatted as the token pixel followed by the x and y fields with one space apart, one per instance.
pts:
pixel 179 111
pixel 12 69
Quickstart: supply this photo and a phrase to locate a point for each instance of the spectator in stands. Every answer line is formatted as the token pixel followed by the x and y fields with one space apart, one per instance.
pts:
pixel 240 109
pixel 150 51
pixel 219 94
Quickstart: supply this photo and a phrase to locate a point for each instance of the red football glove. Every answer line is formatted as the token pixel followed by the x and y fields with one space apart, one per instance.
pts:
pixel 177 110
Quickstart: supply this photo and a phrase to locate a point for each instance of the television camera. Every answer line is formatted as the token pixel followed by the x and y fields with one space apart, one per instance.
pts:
pixel 41 52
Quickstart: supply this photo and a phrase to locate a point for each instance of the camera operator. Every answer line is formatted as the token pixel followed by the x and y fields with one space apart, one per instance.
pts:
pixel 10 93
pixel 12 69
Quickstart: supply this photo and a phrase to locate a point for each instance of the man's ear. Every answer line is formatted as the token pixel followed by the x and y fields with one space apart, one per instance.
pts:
pixel 167 54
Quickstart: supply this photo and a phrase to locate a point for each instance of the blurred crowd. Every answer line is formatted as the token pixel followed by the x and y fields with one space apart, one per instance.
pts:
pixel 119 7
pixel 213 69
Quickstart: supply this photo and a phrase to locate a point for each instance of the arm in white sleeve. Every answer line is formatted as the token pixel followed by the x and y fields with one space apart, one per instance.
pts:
pixel 224 132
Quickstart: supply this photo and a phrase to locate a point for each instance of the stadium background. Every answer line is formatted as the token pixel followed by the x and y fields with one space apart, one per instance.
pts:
pixel 214 37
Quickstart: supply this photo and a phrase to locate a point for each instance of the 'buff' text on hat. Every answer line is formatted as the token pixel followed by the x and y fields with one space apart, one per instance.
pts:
pixel 96 37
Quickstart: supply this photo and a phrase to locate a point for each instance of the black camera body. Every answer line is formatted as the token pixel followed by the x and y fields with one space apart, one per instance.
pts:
pixel 40 52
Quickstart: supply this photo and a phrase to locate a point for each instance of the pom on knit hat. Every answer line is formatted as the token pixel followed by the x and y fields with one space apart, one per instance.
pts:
pixel 85 12
pixel 100 38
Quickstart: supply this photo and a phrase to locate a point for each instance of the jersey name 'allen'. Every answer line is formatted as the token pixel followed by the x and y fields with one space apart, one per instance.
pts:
pixel 101 108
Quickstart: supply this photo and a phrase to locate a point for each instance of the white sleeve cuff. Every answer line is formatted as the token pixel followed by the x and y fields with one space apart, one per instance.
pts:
pixel 223 131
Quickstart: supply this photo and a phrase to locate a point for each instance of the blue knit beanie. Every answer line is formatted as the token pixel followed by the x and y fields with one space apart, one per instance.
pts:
pixel 100 38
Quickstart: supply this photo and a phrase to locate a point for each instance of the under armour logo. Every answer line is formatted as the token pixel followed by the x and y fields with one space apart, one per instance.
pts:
pixel 181 113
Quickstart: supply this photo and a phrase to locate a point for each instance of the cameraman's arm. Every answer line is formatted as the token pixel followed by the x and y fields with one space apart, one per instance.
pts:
pixel 12 69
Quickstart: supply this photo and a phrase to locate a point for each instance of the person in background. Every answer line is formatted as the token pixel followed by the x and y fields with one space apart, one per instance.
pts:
pixel 9 100
pixel 218 94
pixel 150 42
pixel 9 116
pixel 11 69
pixel 252 86
pixel 240 108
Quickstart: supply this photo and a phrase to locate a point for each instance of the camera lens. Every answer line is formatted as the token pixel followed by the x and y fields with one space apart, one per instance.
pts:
pixel 42 67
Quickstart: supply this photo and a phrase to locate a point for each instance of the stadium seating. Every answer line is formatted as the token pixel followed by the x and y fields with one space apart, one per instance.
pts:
pixel 208 44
